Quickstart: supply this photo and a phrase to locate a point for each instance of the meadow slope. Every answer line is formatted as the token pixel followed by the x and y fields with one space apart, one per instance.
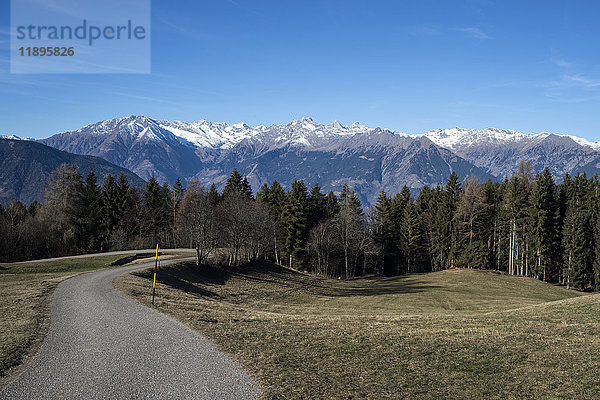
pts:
pixel 449 334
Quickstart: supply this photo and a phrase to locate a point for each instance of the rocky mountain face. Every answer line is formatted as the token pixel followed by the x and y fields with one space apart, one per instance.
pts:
pixel 500 151
pixel 26 165
pixel 370 159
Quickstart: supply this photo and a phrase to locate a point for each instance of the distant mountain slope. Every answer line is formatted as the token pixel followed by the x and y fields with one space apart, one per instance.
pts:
pixel 371 159
pixel 25 167
pixel 500 151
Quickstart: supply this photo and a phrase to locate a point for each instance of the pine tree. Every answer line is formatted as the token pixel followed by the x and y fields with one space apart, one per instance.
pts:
pixel 383 232
pixel 426 208
pixel 235 183
pixel 276 198
pixel 276 204
pixel 213 196
pixel 471 246
pixel 349 223
pixel 92 214
pixel 544 212
pixel 516 205
pixel 316 206
pixel 398 206
pixel 155 211
pixel 332 205
pixel 412 238
pixel 490 223
pixel 295 224
pixel 445 232
pixel 64 210
pixel 177 194
pixel 577 237
pixel 262 197
pixel 246 189
pixel 111 209
pixel 128 213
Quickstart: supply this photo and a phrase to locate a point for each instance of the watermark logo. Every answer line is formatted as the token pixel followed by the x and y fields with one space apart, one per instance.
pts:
pixel 80 36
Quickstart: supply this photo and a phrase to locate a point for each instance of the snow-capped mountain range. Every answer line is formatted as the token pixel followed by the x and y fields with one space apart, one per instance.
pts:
pixel 15 137
pixel 371 159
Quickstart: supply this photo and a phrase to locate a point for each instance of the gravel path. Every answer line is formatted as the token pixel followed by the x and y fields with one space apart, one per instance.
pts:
pixel 103 345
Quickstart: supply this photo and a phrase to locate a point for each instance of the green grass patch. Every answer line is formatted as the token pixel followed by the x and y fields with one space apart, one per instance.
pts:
pixel 461 334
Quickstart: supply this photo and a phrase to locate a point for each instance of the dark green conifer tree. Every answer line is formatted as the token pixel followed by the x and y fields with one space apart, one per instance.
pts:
pixel 155 211
pixel 262 196
pixel 92 214
pixel 234 183
pixel 383 233
pixel 316 207
pixel 544 227
pixel 412 238
pixel 246 189
pixel 111 209
pixel 213 196
pixel 295 224
pixel 577 237
pixel 332 205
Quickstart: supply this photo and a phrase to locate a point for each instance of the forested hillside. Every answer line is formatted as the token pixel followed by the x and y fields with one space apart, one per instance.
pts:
pixel 25 167
pixel 527 225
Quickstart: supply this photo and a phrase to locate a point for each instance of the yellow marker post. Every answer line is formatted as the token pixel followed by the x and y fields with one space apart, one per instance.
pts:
pixel 156 261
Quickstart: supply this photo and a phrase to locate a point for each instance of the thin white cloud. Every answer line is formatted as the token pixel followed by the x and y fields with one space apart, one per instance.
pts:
pixel 474 32
pixel 562 63
pixel 580 80
pixel 564 98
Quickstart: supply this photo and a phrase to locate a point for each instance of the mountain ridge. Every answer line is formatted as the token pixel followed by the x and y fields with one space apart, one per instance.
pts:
pixel 26 165
pixel 374 159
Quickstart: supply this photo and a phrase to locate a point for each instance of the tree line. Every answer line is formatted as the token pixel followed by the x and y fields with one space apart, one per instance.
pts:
pixel 527 225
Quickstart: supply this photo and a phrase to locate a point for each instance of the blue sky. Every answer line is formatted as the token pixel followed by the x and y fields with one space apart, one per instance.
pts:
pixel 408 65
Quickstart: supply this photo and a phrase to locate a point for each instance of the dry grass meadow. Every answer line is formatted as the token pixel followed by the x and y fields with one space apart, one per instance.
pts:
pixel 461 334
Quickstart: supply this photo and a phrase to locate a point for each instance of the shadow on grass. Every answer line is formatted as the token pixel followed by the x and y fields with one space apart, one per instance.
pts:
pixel 184 277
pixel 190 278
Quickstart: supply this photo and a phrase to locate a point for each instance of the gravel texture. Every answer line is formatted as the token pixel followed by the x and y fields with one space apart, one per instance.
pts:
pixel 102 345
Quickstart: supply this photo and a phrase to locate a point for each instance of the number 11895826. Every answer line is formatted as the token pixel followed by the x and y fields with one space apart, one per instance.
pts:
pixel 47 51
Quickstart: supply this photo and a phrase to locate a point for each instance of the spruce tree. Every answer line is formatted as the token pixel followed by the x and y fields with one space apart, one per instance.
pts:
pixel 332 204
pixel 577 237
pixel 213 196
pixel 349 223
pixel 262 197
pixel 444 232
pixel 235 183
pixel 155 211
pixel 295 224
pixel 383 232
pixel 277 199
pixel 412 238
pixel 316 204
pixel 111 210
pixel 92 215
pixel 544 212
pixel 64 196
pixel 490 223
pixel 471 246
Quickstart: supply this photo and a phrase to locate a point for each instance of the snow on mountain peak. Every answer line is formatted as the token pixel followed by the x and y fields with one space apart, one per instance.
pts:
pixel 15 137
pixel 461 137
pixel 304 132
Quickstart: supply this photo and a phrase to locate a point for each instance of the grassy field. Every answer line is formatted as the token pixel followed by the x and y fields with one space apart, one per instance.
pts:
pixel 452 334
pixel 25 290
